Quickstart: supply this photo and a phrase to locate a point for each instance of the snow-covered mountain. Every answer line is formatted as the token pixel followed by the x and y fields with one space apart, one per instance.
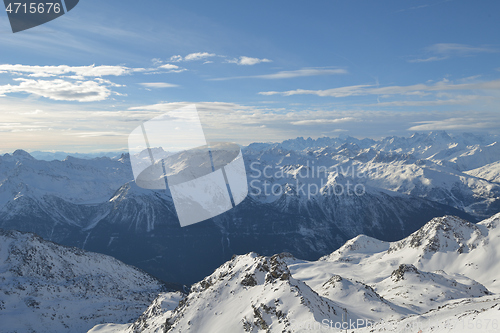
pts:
pixel 307 197
pixel 447 243
pixel 490 172
pixel 45 287
pixel 435 166
pixel 442 278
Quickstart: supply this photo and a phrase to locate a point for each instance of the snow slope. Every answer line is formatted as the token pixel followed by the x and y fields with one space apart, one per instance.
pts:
pixel 45 287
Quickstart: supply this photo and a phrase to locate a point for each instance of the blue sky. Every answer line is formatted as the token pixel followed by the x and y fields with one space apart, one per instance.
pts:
pixel 258 71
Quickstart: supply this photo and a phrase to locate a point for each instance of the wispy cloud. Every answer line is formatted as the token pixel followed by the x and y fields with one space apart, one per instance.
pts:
pixel 288 74
pixel 334 92
pixel 459 100
pixel 247 61
pixel 442 51
pixel 413 8
pixel 323 121
pixel 460 49
pixel 465 123
pixel 158 85
pixel 361 90
pixel 429 59
pixel 422 6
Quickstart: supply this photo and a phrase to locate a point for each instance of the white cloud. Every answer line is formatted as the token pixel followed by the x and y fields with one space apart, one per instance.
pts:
pixel 247 61
pixel 74 83
pixel 158 85
pixel 169 66
pixel 192 57
pixel 176 58
pixel 79 71
pixel 289 74
pixel 323 121
pixel 60 90
pixel 198 56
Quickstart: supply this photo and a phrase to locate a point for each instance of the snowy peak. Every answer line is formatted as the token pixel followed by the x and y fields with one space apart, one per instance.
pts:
pixel 258 271
pixel 338 287
pixel 21 154
pixel 267 298
pixel 438 135
pixel 360 244
pixel 155 317
pixel 420 291
pixel 442 234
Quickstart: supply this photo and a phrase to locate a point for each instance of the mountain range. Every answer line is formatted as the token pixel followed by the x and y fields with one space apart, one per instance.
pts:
pixel 307 197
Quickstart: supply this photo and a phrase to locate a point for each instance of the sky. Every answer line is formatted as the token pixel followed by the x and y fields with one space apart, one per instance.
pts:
pixel 260 71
